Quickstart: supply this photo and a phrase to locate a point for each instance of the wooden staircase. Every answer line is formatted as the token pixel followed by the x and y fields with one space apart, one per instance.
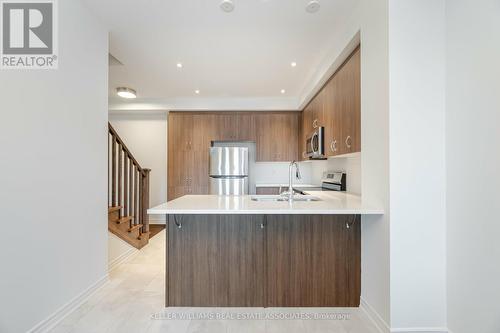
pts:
pixel 128 193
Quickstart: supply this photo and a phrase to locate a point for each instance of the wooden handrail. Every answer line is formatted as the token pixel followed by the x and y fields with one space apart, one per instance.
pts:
pixel 126 150
pixel 129 183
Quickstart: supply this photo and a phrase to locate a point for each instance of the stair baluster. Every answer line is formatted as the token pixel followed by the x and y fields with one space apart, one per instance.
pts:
pixel 128 193
pixel 120 178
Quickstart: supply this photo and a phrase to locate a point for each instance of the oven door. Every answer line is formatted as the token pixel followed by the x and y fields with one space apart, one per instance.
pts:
pixel 314 144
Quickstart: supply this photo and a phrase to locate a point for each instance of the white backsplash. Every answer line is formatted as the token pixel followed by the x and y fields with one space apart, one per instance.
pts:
pixel 277 173
pixel 350 165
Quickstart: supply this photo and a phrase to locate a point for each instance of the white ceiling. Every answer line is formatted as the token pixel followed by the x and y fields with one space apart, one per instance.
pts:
pixel 238 60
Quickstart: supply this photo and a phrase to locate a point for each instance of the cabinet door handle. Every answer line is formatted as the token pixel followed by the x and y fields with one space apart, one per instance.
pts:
pixel 348 141
pixel 315 123
pixel 349 223
pixel 263 223
pixel 333 146
pixel 177 223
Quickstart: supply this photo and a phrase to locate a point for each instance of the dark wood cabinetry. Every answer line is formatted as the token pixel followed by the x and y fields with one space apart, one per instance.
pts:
pixel 337 107
pixel 263 260
pixel 313 261
pixel 213 261
pixel 187 162
pixel 277 134
pixel 343 105
pixel 190 135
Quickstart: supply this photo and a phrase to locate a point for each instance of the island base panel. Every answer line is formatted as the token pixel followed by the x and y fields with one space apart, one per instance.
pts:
pixel 216 260
pixel 263 260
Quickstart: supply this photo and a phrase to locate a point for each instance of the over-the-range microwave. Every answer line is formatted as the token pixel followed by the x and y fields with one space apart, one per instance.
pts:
pixel 315 144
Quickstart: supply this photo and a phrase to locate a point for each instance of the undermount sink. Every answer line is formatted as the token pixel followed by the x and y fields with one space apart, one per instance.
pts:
pixel 284 198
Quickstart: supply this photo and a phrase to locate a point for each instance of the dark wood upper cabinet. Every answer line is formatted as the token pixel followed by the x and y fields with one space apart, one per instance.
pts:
pixel 227 127
pixel 277 135
pixel 205 129
pixel 337 107
pixel 180 129
pixel 318 114
pixel 347 106
pixel 245 127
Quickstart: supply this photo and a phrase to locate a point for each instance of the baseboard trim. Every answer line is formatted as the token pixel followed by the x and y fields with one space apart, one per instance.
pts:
pixel 374 317
pixel 122 258
pixel 51 321
pixel 383 327
pixel 420 330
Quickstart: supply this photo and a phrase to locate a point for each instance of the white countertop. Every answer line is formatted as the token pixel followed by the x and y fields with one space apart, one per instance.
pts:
pixel 331 203
pixel 285 185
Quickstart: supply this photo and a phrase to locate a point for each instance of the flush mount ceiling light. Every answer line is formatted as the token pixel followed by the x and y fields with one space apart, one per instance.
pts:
pixel 312 6
pixel 197 92
pixel 126 92
pixel 283 91
pixel 227 6
pixel 179 65
pixel 293 64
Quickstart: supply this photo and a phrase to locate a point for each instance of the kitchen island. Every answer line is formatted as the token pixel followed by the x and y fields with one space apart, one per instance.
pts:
pixel 232 251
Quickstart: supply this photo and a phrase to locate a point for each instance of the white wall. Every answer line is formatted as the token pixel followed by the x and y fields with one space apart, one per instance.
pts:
pixel 371 20
pixel 375 157
pixel 145 134
pixel 53 175
pixel 118 250
pixel 473 164
pixel 417 164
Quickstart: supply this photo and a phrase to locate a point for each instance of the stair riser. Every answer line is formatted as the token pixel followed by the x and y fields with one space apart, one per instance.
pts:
pixel 121 230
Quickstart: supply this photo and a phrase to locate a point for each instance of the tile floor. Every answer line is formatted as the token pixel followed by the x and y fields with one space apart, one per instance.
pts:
pixel 135 293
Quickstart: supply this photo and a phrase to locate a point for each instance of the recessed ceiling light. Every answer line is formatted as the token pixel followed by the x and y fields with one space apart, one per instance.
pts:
pixel 126 92
pixel 283 91
pixel 312 6
pixel 197 91
pixel 179 65
pixel 227 6
pixel 293 64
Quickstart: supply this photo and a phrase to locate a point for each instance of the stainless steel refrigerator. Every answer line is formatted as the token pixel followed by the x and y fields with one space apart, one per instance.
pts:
pixel 228 170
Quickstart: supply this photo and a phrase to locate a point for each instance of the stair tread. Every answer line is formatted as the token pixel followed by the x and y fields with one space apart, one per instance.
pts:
pixel 124 219
pixel 134 227
pixel 112 209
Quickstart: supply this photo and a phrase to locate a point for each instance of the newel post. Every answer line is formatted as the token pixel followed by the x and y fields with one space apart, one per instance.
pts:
pixel 145 199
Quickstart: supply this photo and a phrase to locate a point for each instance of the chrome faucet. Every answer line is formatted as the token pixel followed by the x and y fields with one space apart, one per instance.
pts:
pixel 290 191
